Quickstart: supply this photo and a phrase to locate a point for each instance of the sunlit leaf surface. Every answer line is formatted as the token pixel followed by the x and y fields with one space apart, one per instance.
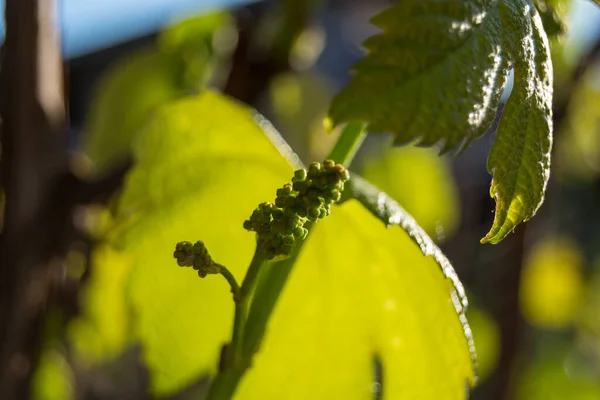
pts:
pixel 359 292
pixel 132 88
pixel 435 73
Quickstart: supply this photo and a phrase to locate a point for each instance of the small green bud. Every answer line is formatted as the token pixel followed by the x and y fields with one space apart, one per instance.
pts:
pixel 288 240
pixel 257 216
pixel 298 232
pixel 265 207
pixel 342 173
pixel 323 181
pixel 314 169
pixel 302 212
pixel 277 213
pixel 300 175
pixel 200 248
pixel 313 212
pixel 287 249
pixel 328 165
pixel 287 190
pixel 264 228
pixel 248 225
pixel 293 220
pixel 322 213
pixel 184 254
pixel 300 187
pixel 312 194
pixel 196 255
pixel 336 195
pixel 280 202
pixel 276 240
pixel 278 226
pixel 316 202
pixel 290 201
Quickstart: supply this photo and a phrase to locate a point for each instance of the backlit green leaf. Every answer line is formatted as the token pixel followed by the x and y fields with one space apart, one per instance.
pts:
pixel 435 74
pixel 201 167
pixel 520 157
pixel 126 96
pixel 131 89
pixel 359 292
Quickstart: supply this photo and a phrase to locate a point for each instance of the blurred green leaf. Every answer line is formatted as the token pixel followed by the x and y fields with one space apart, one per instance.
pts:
pixel 487 341
pixel 419 180
pixel 548 378
pixel 103 330
pixel 435 74
pixel 588 323
pixel 132 88
pixel 552 283
pixel 578 153
pixel 128 93
pixel 552 13
pixel 359 291
pixel 299 102
pixel 53 379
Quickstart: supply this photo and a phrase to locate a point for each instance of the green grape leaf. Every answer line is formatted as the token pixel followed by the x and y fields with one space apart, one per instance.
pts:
pixel 358 293
pixel 435 74
pixel 520 158
pixel 130 91
pixel 361 292
pixel 193 162
pixel 127 95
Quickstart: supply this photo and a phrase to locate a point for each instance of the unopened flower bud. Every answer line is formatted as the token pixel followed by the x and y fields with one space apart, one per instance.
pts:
pixel 300 175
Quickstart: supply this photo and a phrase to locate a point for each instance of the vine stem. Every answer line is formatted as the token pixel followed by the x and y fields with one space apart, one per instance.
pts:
pixel 241 310
pixel 235 288
pixel 250 320
pixel 349 142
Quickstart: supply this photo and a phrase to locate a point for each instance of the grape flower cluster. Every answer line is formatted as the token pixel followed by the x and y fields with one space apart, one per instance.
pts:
pixel 196 256
pixel 281 225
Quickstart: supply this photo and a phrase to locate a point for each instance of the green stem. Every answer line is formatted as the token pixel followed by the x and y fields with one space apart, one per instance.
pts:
pixel 349 142
pixel 252 274
pixel 249 325
pixel 225 383
pixel 268 290
pixel 235 350
pixel 235 288
pixel 228 378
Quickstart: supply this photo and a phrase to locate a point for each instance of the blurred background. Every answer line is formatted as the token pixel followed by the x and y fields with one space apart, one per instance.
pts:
pixel 535 298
